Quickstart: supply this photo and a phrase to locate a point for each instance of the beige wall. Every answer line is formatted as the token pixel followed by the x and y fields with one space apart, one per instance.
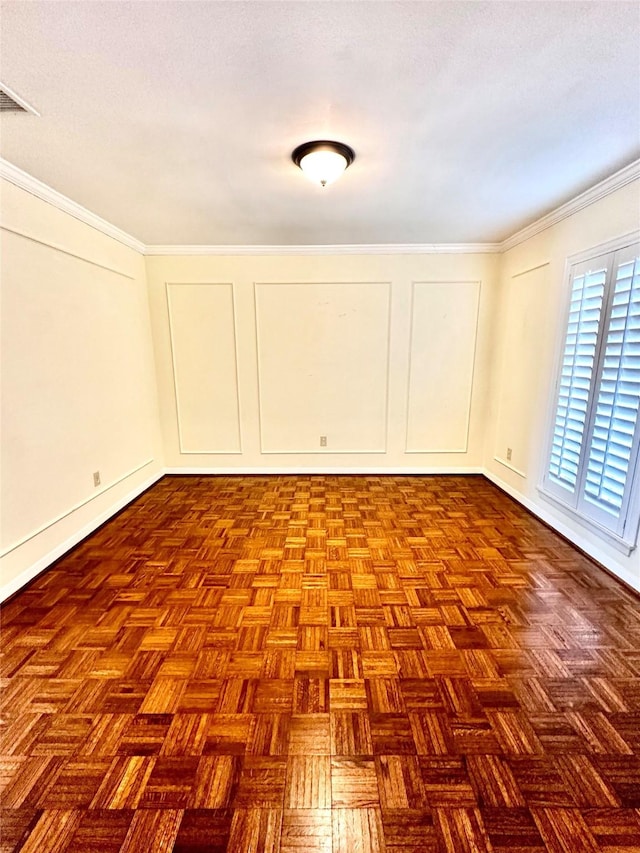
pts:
pixel 387 356
pixel 529 322
pixel 78 388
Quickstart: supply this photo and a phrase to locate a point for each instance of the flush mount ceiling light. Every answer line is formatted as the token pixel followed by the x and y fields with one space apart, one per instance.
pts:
pixel 323 161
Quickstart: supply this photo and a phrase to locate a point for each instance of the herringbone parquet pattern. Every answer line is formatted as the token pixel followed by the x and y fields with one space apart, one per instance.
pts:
pixel 338 664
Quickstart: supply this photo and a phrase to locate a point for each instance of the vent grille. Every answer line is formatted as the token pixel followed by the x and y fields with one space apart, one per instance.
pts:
pixel 8 105
pixel 12 103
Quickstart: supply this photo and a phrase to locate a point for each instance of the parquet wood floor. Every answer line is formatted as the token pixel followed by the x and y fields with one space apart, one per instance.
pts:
pixel 337 664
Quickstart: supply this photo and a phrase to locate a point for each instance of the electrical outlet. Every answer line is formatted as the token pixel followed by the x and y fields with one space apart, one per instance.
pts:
pixel 323 441
pixel 508 454
pixel 96 478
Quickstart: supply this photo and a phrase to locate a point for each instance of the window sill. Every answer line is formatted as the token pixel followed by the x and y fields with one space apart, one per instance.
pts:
pixel 618 542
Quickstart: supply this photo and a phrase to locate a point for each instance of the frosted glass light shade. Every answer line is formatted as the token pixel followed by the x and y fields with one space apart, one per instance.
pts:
pixel 323 161
pixel 323 167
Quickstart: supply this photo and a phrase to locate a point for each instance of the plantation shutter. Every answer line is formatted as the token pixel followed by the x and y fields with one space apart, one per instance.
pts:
pixel 587 295
pixel 613 438
pixel 595 436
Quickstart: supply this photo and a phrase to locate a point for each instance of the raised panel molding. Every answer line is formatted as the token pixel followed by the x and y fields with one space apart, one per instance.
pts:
pixel 510 467
pixel 441 381
pixel 203 396
pixel 291 388
pixel 76 384
pixel 518 402
pixel 19 233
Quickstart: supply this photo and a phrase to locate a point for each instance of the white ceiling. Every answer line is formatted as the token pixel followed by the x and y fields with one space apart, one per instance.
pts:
pixel 175 120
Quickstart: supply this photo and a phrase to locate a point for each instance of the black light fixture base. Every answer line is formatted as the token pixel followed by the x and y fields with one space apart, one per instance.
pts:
pixel 326 145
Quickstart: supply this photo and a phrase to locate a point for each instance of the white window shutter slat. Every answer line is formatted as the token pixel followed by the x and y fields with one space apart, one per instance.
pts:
pixel 618 397
pixel 595 436
pixel 587 297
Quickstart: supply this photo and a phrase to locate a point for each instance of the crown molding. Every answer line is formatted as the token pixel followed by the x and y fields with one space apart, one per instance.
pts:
pixel 338 249
pixel 42 191
pixel 602 189
pixel 609 185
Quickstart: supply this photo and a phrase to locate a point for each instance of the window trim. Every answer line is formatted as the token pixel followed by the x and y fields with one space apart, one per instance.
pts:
pixel 626 540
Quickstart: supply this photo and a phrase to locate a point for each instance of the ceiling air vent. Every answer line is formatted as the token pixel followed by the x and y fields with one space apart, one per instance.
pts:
pixel 8 105
pixel 12 103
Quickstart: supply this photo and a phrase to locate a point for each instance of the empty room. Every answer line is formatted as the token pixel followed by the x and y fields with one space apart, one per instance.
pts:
pixel 320 386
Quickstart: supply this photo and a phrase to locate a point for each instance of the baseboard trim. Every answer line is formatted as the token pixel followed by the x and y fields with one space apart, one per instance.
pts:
pixel 31 573
pixel 552 521
pixel 28 575
pixel 15 545
pixel 324 469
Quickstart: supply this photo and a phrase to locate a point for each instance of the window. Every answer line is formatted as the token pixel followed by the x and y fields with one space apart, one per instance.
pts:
pixel 596 428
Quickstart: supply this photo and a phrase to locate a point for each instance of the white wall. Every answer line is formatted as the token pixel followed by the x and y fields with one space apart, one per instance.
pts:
pixel 529 321
pixel 387 356
pixel 78 385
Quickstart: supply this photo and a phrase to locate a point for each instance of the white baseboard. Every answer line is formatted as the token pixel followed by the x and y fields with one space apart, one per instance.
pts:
pixel 87 500
pixel 325 469
pixel 552 520
pixel 557 524
pixel 40 565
